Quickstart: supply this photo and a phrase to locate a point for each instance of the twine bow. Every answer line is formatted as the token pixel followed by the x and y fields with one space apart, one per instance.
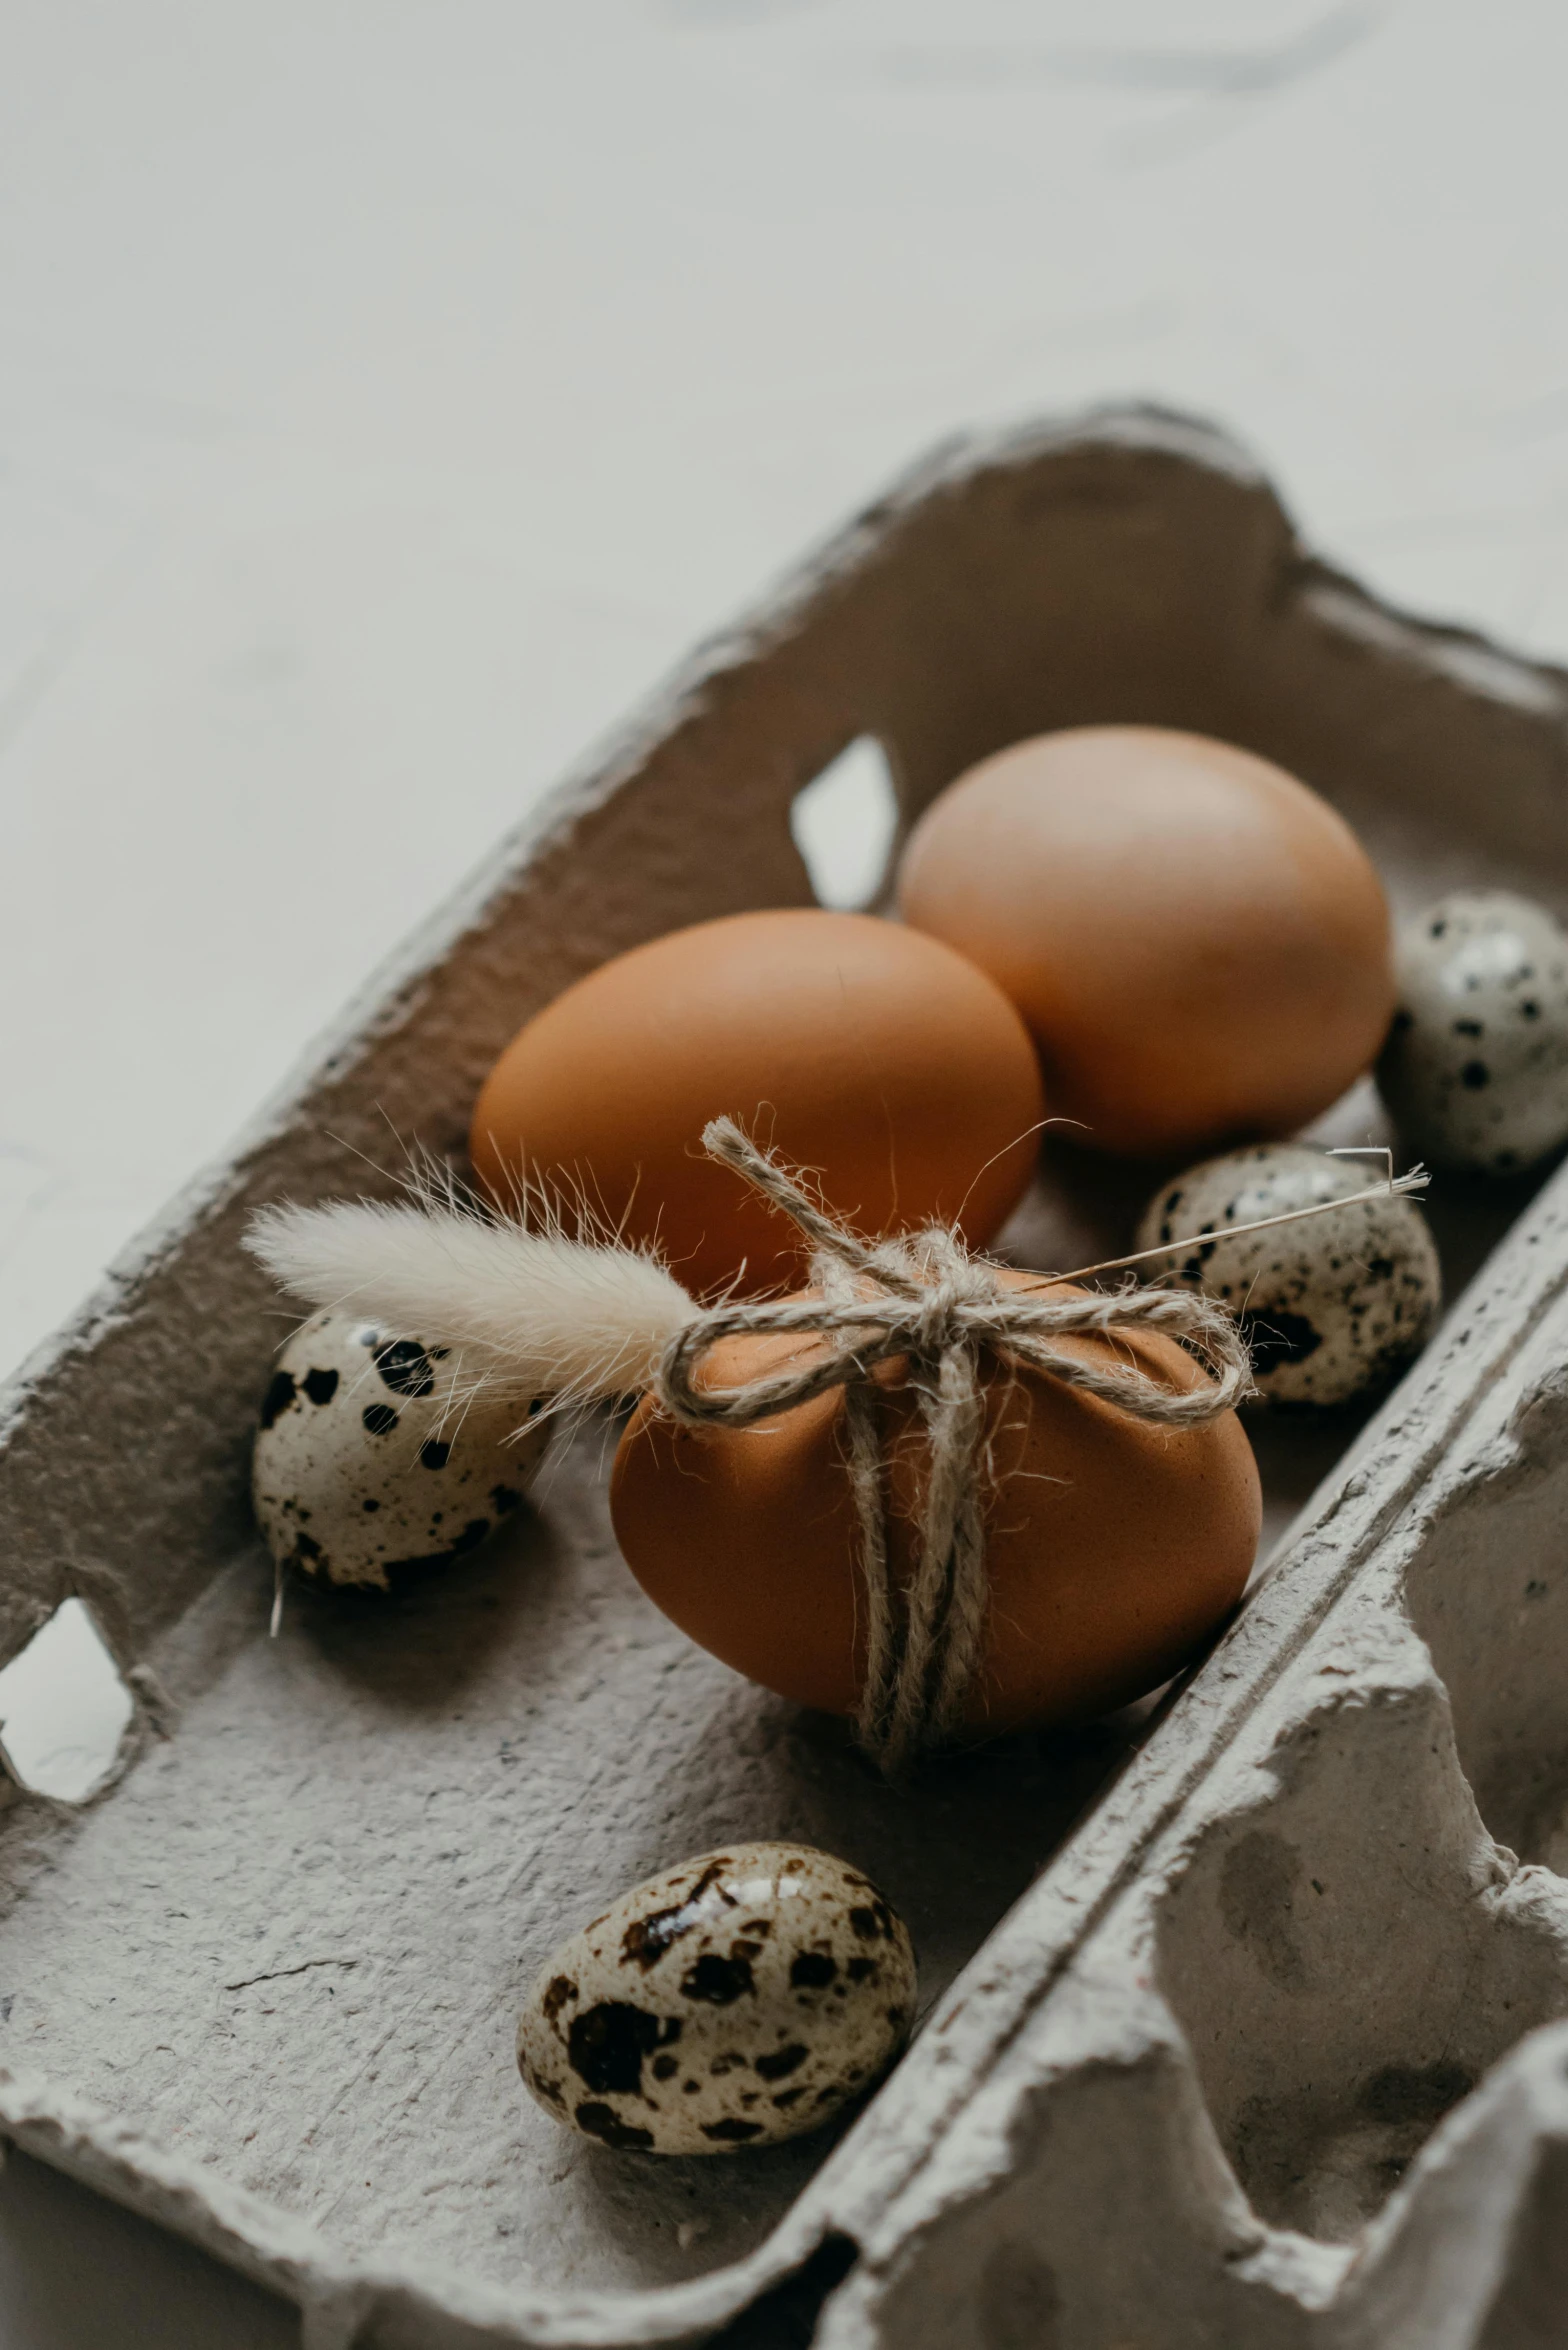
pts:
pixel 924 1299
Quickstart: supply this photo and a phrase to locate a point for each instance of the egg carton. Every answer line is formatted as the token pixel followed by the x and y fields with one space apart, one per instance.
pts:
pixel 1241 2012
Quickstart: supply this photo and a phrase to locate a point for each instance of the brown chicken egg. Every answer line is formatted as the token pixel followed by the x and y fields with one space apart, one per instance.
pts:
pixel 876 1057
pixel 1199 943
pixel 1115 1547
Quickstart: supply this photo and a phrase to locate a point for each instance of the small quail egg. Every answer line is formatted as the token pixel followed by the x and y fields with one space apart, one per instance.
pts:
pixel 375 1459
pixel 1332 1307
pixel 1475 1070
pixel 741 1998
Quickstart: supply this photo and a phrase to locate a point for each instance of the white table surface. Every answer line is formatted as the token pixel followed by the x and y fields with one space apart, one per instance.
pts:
pixel 390 390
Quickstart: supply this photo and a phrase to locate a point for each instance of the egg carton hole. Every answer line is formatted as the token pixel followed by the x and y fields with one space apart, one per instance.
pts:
pixel 1488 1593
pixel 1349 1959
pixel 64 1710
pixel 845 823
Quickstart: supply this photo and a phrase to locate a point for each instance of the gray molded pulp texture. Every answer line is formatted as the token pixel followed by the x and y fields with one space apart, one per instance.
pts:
pixel 1263 2049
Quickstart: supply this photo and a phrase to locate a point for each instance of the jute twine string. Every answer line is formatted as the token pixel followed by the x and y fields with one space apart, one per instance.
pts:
pixel 923 1298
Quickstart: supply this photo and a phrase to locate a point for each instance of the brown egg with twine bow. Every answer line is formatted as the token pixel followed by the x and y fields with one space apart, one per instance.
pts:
pixel 935 1494
pixel 939 1495
pixel 1018 1551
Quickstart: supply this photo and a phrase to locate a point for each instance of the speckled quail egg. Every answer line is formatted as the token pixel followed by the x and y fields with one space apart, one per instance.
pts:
pixel 1332 1307
pixel 1475 1070
pixel 376 1458
pixel 741 1998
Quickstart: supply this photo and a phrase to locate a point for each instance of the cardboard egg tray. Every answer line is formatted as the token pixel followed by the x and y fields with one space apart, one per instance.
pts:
pixel 1242 2012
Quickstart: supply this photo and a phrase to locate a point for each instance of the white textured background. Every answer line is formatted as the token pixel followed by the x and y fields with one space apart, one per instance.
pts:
pixel 390 391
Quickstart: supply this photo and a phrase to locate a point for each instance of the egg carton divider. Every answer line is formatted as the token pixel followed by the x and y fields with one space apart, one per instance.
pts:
pixel 267 1980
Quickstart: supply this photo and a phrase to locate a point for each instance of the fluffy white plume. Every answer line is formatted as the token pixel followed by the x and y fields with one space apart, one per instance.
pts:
pixel 552 1315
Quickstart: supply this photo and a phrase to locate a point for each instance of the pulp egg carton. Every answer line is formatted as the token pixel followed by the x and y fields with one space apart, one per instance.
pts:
pixel 1242 2011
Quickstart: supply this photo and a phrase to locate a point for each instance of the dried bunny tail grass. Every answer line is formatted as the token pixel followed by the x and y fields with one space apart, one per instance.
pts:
pixel 547 1314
